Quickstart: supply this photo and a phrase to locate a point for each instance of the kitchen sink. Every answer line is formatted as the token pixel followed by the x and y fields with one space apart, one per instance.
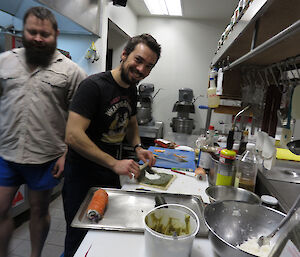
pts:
pixel 287 171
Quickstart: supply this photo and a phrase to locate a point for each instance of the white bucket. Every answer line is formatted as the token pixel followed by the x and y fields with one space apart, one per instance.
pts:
pixel 161 245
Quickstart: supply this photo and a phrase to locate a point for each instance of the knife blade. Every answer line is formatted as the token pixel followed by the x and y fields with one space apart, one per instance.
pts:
pixel 164 158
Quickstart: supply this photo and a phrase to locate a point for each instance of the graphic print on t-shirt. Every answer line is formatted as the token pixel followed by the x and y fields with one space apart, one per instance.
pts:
pixel 119 114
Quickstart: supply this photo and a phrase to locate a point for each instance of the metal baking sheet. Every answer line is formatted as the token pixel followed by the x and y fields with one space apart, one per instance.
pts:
pixel 126 210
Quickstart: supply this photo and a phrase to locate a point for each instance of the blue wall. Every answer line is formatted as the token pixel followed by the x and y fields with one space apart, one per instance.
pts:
pixel 76 44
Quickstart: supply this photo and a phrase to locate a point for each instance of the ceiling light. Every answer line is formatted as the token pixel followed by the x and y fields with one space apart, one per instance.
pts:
pixel 164 7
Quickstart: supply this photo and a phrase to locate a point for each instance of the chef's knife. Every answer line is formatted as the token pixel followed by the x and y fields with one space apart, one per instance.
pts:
pixel 164 158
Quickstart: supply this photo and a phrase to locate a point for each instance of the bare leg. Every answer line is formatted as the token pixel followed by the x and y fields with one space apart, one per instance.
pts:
pixel 39 220
pixel 6 222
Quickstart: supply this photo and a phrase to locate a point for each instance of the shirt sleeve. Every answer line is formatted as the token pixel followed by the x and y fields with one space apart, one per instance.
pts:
pixel 86 99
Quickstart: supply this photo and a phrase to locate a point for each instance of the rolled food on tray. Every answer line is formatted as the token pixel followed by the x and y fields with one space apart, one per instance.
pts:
pixel 96 207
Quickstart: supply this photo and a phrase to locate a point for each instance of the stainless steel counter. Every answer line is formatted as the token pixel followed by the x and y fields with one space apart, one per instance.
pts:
pixel 285 192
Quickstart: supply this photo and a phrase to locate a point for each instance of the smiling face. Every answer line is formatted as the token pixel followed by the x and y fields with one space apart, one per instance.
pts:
pixel 39 40
pixel 138 64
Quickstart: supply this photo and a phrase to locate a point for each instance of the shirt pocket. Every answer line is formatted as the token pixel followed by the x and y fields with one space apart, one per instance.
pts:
pixel 10 81
pixel 54 79
pixel 53 85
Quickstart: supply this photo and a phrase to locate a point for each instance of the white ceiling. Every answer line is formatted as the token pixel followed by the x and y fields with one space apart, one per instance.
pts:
pixel 195 9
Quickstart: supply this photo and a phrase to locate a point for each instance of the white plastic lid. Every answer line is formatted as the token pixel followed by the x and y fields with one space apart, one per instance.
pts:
pixel 269 200
pixel 250 146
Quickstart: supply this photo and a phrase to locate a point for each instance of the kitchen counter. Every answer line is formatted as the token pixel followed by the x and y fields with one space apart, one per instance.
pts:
pixel 117 243
pixel 285 192
pixel 132 244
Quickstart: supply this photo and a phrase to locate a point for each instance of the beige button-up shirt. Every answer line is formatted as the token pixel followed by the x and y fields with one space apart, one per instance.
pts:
pixel 34 107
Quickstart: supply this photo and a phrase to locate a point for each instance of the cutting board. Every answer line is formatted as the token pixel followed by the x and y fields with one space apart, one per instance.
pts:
pixel 169 153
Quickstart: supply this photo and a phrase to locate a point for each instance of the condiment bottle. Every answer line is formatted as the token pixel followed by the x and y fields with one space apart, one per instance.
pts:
pixel 213 98
pixel 225 175
pixel 247 169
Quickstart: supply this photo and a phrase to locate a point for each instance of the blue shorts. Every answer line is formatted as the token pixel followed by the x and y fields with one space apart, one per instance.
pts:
pixel 36 176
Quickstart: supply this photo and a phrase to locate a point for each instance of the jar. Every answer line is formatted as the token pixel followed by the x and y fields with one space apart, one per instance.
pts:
pixel 225 175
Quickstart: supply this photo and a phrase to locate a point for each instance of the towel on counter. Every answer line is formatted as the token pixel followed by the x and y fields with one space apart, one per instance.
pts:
pixel 285 154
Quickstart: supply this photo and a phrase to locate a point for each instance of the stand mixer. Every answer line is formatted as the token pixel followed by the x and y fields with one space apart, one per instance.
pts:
pixel 144 108
pixel 182 123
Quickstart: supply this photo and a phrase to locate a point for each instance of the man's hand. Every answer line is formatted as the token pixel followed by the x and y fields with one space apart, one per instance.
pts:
pixel 145 156
pixel 127 167
pixel 59 167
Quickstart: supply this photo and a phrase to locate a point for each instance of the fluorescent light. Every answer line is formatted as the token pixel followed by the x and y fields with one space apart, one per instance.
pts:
pixel 164 7
pixel 157 7
pixel 174 7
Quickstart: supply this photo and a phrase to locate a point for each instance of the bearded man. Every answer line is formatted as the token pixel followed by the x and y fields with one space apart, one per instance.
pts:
pixel 102 114
pixel 37 84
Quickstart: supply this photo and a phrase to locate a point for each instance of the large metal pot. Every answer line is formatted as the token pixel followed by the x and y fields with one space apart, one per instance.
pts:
pixel 230 223
pixel 213 170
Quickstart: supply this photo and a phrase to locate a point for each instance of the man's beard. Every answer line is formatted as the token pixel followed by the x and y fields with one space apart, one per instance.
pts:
pixel 38 55
pixel 125 77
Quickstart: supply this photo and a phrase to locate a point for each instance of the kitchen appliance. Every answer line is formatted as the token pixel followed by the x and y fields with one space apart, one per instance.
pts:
pixel 182 123
pixel 149 129
pixel 144 108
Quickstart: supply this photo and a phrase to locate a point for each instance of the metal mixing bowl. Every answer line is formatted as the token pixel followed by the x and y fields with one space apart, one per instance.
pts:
pixel 220 193
pixel 230 223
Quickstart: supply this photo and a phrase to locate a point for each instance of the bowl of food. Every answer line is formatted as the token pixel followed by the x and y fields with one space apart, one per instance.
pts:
pixel 221 193
pixel 234 227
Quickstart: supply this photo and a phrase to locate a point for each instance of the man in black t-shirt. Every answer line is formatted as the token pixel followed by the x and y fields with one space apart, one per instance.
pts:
pixel 102 114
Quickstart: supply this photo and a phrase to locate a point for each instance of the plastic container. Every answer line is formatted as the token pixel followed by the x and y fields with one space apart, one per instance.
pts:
pixel 225 175
pixel 159 244
pixel 269 201
pixel 213 98
pixel 246 169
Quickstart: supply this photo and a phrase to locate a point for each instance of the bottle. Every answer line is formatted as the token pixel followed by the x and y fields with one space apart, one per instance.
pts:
pixel 210 136
pixel 213 98
pixel 206 147
pixel 247 169
pixel 225 174
pixel 244 141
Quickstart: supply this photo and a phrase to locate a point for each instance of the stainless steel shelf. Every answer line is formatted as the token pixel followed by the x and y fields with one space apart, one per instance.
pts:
pixel 254 11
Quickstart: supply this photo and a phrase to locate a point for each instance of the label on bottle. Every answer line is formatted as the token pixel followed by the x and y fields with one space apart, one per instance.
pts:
pixel 225 175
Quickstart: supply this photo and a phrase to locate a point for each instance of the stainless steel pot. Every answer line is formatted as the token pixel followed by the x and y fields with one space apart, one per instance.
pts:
pixel 212 173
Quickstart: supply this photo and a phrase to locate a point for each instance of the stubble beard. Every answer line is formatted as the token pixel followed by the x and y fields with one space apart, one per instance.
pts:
pixel 125 76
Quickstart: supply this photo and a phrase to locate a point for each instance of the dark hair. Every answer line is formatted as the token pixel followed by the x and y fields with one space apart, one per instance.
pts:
pixel 146 39
pixel 42 13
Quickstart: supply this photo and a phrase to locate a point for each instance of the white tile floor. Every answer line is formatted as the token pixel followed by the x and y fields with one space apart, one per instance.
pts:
pixel 54 245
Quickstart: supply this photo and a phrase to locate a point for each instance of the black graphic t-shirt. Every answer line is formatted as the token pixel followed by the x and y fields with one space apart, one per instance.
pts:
pixel 109 107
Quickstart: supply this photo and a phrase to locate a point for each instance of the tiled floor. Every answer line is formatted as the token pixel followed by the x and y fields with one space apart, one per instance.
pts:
pixel 20 243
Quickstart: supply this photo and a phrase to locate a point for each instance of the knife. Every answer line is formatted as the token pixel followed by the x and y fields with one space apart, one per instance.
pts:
pixel 164 158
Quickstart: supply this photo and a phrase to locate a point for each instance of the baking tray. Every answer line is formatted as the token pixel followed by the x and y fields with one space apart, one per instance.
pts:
pixel 126 209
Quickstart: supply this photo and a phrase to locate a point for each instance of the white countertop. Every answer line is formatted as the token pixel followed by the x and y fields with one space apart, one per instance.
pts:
pixel 102 243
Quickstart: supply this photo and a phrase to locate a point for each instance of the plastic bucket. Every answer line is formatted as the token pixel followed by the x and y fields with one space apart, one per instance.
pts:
pixel 177 244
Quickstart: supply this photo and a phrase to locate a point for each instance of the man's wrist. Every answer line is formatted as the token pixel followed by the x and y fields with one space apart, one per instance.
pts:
pixel 136 146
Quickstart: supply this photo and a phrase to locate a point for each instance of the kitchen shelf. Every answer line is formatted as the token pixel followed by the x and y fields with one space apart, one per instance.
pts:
pixel 275 26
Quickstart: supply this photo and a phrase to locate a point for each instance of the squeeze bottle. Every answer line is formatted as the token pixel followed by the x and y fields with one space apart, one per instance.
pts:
pixel 213 98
